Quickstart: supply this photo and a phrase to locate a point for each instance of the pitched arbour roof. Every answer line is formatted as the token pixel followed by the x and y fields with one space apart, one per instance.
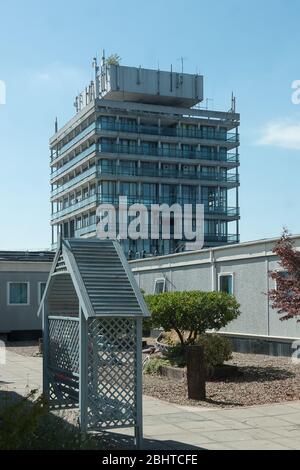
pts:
pixel 92 321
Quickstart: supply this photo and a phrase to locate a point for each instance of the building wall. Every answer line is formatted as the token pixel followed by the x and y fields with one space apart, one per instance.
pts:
pixel 249 264
pixel 22 317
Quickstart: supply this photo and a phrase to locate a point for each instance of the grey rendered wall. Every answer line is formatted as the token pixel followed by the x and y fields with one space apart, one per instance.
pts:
pixel 177 279
pixel 20 318
pixel 249 287
pixel 248 264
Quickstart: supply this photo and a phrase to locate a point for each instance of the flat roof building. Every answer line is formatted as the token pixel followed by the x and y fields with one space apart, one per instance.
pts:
pixel 23 277
pixel 140 133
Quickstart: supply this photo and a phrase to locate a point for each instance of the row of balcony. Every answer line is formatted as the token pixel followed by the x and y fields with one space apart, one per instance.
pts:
pixel 203 134
pixel 150 151
pixel 95 199
pixel 208 237
pixel 119 171
pixel 206 134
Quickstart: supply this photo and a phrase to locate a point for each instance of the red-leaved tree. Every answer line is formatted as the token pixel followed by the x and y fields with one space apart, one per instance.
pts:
pixel 286 296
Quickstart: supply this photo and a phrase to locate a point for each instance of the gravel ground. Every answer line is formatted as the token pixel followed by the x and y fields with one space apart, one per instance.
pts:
pixel 25 348
pixel 265 380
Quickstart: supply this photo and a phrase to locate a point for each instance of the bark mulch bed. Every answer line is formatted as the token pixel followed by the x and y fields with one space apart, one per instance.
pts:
pixel 264 380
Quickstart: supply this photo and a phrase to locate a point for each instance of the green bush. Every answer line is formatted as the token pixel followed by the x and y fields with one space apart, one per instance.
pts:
pixel 217 349
pixel 27 424
pixel 147 326
pixel 152 366
pixel 19 419
pixel 194 312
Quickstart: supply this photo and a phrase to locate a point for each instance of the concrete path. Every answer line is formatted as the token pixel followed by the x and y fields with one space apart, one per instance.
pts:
pixel 168 426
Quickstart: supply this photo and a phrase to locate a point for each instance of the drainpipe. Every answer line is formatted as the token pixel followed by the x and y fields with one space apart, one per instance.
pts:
pixel 268 287
pixel 213 271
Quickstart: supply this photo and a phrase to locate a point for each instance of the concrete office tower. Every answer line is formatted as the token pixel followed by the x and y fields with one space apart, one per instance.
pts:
pixel 142 133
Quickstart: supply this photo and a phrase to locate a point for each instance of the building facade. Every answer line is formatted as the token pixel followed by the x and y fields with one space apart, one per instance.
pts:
pixel 241 270
pixel 141 134
pixel 23 277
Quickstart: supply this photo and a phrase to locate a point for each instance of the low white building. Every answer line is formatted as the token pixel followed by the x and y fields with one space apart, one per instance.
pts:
pixel 242 270
pixel 23 277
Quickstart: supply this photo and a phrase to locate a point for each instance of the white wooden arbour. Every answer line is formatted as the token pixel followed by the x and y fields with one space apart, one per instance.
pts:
pixel 92 314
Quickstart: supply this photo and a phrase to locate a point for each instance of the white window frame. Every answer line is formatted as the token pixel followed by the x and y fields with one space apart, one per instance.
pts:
pixel 39 291
pixel 8 294
pixel 161 279
pixel 279 271
pixel 223 275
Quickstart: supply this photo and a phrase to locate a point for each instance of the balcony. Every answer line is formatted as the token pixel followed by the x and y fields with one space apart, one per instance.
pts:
pixel 170 200
pixel 121 170
pixel 73 161
pixel 169 131
pixel 73 207
pixel 75 140
pixel 85 230
pixel 213 238
pixel 74 181
pixel 171 153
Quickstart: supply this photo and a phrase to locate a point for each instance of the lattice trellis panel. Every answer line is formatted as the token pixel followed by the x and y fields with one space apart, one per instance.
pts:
pixel 111 373
pixel 63 362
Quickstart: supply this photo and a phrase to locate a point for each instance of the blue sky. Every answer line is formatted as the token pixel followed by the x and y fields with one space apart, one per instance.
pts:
pixel 249 47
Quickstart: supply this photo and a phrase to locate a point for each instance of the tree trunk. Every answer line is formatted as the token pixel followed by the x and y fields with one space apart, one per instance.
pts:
pixel 196 372
pixel 180 336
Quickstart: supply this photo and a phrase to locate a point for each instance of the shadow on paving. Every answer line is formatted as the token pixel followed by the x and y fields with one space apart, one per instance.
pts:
pixel 29 425
pixel 257 374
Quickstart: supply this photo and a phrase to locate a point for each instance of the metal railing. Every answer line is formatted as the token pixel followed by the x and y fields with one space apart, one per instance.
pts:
pixel 74 181
pixel 163 152
pixel 169 131
pixel 73 161
pixel 73 207
pixel 164 173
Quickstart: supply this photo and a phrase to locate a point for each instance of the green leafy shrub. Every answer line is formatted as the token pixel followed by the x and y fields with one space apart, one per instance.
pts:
pixel 217 349
pixel 19 419
pixel 27 424
pixel 152 366
pixel 147 326
pixel 194 312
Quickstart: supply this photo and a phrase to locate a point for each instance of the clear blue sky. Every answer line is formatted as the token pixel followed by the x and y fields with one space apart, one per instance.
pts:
pixel 249 47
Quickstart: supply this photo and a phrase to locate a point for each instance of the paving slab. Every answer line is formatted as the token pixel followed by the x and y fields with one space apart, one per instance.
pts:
pixel 169 426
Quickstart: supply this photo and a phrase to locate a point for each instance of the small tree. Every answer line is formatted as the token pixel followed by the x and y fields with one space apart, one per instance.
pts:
pixel 113 59
pixel 193 312
pixel 286 296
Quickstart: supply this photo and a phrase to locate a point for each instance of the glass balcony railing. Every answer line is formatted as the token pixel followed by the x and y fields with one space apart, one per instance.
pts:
pixel 222 210
pixel 163 152
pixel 75 140
pixel 208 237
pixel 214 238
pixel 169 131
pixel 148 200
pixel 73 207
pixel 85 230
pixel 74 181
pixel 163 173
pixel 147 130
pixel 73 161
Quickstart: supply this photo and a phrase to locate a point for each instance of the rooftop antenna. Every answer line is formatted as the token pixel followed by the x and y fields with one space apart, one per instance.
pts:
pixel 56 125
pixel 103 57
pixel 212 101
pixel 96 81
pixel 233 103
pixel 182 59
